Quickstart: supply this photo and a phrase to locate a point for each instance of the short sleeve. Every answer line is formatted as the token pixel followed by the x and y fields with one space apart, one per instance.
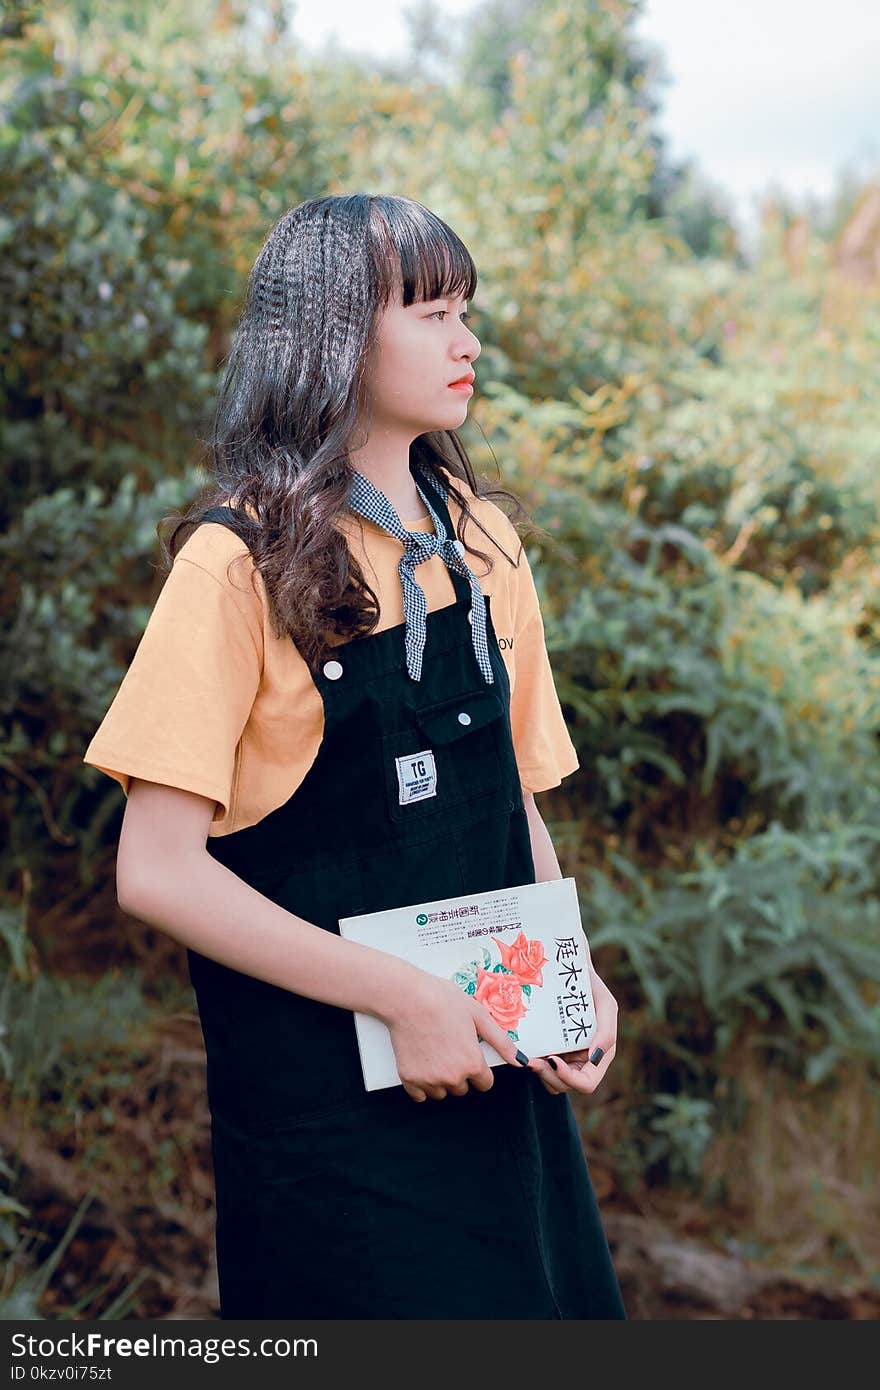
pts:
pixel 179 713
pixel 544 751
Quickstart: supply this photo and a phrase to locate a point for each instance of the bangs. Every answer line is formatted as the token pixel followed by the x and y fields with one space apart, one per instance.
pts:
pixel 421 257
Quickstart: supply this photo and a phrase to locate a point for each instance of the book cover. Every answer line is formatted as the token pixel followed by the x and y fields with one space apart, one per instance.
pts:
pixel 520 951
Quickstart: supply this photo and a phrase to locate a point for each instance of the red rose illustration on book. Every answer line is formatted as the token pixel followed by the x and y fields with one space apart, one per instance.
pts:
pixel 505 987
pixel 502 995
pixel 523 958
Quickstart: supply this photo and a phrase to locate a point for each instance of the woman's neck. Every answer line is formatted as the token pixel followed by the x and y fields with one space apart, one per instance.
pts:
pixel 389 471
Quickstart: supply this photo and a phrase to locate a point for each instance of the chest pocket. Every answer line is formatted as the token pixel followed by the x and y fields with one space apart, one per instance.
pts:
pixel 450 753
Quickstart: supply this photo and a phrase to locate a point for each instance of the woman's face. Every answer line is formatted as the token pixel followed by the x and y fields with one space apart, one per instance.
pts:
pixel 417 352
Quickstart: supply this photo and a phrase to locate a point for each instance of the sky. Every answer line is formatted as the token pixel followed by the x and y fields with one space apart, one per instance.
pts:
pixel 763 94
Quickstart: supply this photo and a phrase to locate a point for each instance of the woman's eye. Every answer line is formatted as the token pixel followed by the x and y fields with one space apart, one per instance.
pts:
pixel 436 312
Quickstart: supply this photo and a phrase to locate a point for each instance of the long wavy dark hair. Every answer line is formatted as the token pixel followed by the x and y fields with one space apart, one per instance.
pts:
pixel 292 396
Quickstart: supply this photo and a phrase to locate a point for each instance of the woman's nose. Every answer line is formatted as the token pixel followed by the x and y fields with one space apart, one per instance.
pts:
pixel 473 346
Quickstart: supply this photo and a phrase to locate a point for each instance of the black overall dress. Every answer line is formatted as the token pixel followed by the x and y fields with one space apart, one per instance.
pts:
pixel 335 1202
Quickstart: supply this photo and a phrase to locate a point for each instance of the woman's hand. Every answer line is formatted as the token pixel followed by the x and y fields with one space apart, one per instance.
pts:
pixel 436 1039
pixel 574 1070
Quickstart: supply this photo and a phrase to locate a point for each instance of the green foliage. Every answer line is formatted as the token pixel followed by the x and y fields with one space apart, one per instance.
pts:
pixel 785 930
pixel 700 691
pixel 681 1131
pixel 21 1293
pixel 69 1044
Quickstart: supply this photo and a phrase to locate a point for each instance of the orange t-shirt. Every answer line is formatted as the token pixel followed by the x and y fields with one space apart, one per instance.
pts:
pixel 213 702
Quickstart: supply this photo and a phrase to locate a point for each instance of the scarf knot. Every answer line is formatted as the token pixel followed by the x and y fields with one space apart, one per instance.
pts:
pixel 418 546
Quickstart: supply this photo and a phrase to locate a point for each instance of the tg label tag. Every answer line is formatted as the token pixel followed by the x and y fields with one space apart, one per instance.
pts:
pixel 416 777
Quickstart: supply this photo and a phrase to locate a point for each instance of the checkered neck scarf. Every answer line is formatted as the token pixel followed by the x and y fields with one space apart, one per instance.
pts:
pixel 368 501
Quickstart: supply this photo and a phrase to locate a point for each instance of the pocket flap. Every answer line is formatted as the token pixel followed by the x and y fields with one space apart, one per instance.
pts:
pixel 461 715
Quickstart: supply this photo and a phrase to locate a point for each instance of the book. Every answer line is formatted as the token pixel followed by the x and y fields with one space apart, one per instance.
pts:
pixel 520 951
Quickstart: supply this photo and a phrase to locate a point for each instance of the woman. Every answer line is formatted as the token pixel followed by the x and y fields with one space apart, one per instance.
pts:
pixel 291 666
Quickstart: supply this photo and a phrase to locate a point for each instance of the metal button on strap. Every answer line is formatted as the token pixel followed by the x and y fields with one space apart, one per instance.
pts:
pixel 470 615
pixel 333 670
pixel 464 718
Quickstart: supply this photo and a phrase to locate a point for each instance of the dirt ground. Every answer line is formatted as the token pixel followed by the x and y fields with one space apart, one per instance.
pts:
pixel 665 1273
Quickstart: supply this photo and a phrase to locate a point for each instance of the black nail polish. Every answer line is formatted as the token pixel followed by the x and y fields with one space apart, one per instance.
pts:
pixel 522 1058
pixel 596 1055
pixel 552 1063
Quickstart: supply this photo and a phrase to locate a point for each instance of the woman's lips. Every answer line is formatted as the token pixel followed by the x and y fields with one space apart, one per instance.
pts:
pixel 462 386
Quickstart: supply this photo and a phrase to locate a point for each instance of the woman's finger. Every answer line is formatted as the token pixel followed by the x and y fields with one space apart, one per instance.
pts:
pixel 548 1075
pixel 588 1077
